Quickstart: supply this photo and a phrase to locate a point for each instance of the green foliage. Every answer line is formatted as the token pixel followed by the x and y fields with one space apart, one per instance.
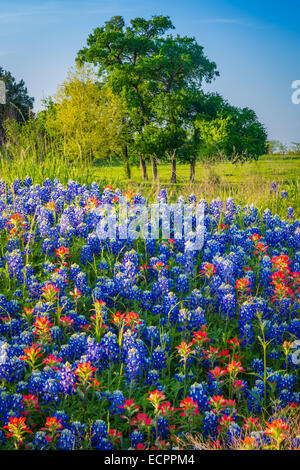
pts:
pixel 212 134
pixel 153 73
pixel 295 148
pixel 27 151
pixel 18 103
pixel 277 147
pixel 246 135
pixel 87 118
pixel 139 99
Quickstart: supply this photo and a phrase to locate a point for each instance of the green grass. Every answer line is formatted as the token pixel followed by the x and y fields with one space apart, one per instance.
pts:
pixel 281 168
pixel 247 183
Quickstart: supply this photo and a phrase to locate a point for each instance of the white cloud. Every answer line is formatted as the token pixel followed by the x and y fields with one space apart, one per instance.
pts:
pixel 238 21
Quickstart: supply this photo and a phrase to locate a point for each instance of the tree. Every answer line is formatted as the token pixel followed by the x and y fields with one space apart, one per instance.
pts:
pixel 218 130
pixel 18 103
pixel 295 148
pixel 123 56
pixel 212 133
pixel 148 70
pixel 247 137
pixel 184 70
pixel 160 142
pixel 282 148
pixel 89 119
pixel 201 108
pixel 271 146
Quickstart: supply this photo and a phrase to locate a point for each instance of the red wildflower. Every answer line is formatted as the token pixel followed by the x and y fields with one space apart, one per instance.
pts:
pixel 76 294
pixel 156 398
pixel 255 237
pixel 159 266
pixel 261 248
pixel 282 291
pixel 249 443
pixel 28 314
pixel 51 205
pixel 85 373
pixel 62 253
pixel 234 342
pixel 30 403
pixel 276 430
pixel 52 360
pixel 225 420
pixel 31 355
pixel 52 425
pixel 281 263
pixel 189 406
pixel 217 372
pixel 16 428
pixel 201 336
pixel 242 285
pixel 234 367
pixel 17 225
pixel 130 406
pixel 91 204
pixel 208 270
pixel 42 326
pixel 142 420
pixel 49 292
pixel 66 321
pixel 114 435
pixel 251 423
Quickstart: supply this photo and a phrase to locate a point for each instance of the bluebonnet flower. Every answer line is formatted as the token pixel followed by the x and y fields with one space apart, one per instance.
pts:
pixel 117 400
pixel 199 394
pixel 66 440
pixel 136 438
pixel 134 365
pixel 290 213
pixel 273 187
pixel 159 358
pixel 99 436
pixel 210 424
pixel 15 264
pixel 40 441
pixel 172 303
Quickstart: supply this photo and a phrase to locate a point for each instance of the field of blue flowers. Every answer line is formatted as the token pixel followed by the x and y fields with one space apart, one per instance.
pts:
pixel 142 344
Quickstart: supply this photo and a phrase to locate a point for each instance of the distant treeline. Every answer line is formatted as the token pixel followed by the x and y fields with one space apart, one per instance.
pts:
pixel 275 147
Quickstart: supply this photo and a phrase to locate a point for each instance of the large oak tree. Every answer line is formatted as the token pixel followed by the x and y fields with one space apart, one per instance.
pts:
pixel 149 69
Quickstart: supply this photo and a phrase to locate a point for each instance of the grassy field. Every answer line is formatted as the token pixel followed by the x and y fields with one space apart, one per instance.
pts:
pixel 281 168
pixel 247 183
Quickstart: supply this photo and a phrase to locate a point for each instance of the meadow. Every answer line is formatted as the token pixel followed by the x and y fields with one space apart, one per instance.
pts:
pixel 121 341
pixel 247 183
pixel 144 344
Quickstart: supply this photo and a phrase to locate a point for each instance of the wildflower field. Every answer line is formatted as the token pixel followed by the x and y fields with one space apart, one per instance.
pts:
pixel 143 344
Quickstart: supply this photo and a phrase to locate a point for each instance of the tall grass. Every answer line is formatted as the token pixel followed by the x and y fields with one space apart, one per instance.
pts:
pixel 27 162
pixel 27 153
pixel 52 166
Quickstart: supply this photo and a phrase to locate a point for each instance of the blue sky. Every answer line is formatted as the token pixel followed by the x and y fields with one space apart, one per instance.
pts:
pixel 256 46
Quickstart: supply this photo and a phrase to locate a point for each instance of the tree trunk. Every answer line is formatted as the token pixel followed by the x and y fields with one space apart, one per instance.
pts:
pixel 173 168
pixel 144 168
pixel 154 167
pixel 192 173
pixel 126 161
